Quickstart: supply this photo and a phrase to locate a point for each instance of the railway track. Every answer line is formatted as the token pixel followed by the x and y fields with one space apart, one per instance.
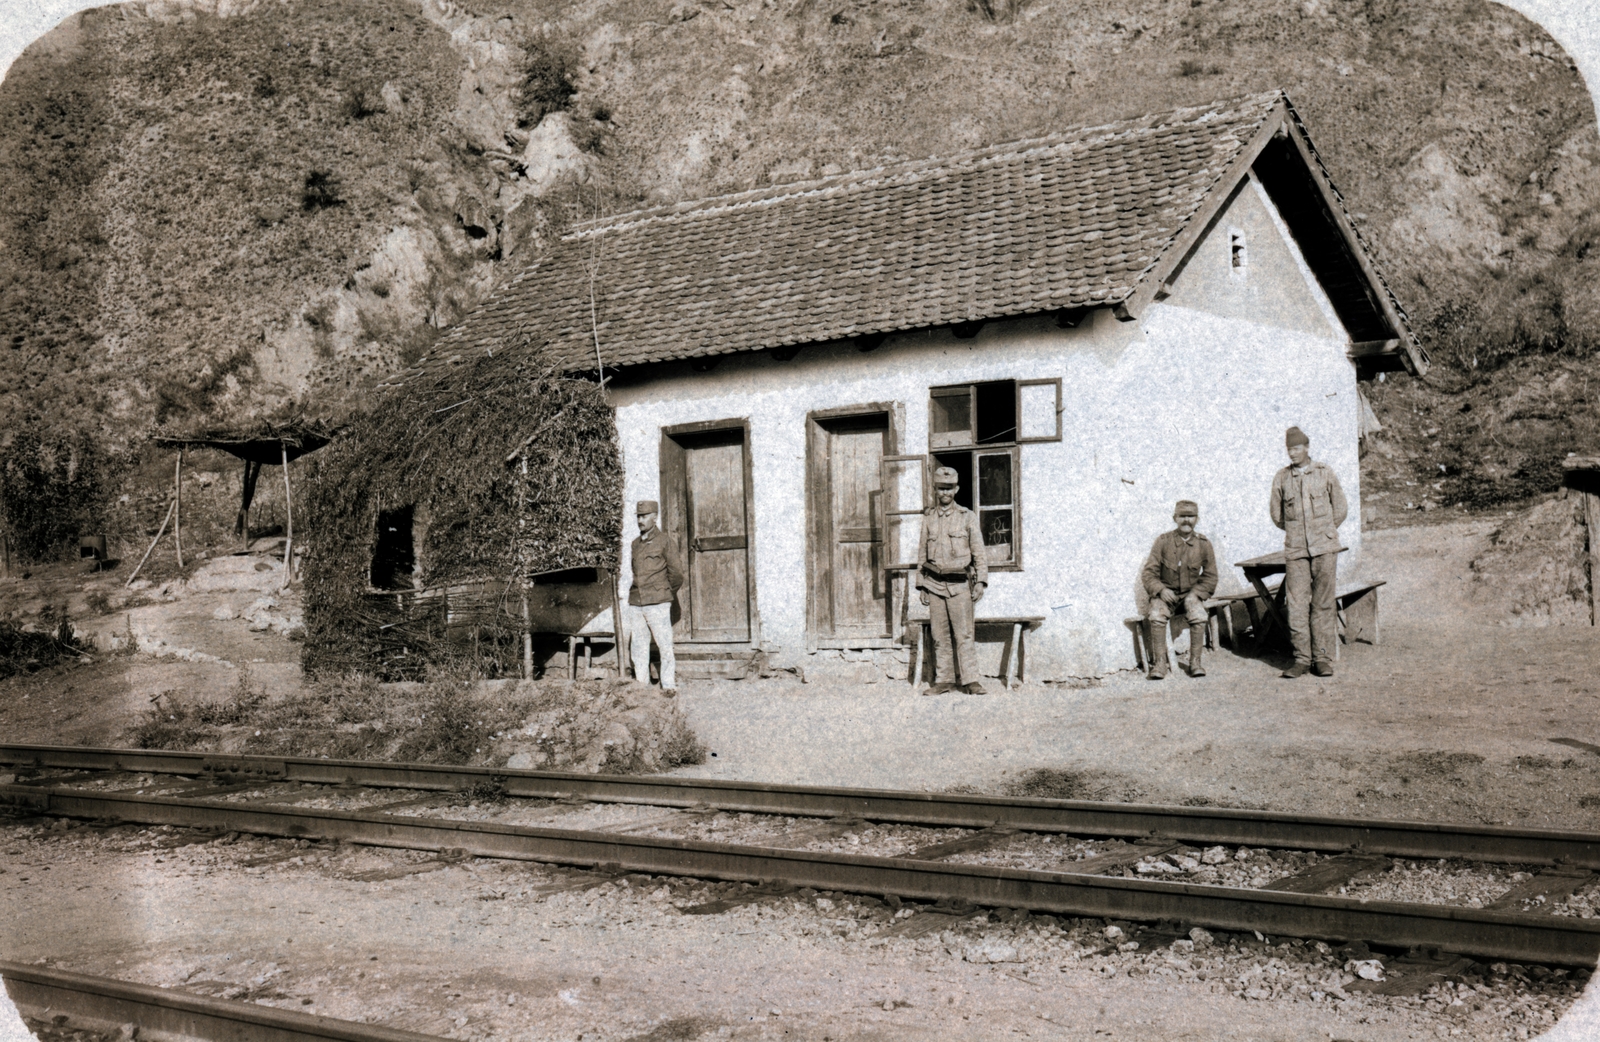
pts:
pixel 68 1001
pixel 261 795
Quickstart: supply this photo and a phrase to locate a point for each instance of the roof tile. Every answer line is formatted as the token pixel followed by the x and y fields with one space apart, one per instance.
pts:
pixel 986 233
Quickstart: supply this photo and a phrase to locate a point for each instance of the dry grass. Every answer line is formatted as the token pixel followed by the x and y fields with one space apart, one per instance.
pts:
pixel 447 720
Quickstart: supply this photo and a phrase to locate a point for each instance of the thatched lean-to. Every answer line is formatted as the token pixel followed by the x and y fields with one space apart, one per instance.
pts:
pixel 505 471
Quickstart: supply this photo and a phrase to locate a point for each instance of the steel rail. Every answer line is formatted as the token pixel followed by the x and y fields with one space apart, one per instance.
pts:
pixel 1199 825
pixel 103 1003
pixel 1502 935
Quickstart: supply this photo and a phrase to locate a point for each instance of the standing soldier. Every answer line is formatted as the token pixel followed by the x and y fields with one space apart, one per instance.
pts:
pixel 1180 573
pixel 656 579
pixel 953 574
pixel 1308 504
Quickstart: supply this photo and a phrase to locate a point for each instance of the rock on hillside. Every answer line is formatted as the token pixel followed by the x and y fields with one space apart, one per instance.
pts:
pixel 219 208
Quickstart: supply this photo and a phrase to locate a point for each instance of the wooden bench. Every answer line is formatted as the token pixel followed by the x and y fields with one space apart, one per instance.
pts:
pixel 1013 664
pixel 588 639
pixel 1217 619
pixel 1355 603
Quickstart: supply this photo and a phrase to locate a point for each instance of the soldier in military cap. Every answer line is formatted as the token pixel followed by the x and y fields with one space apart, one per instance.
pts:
pixel 1180 573
pixel 656 578
pixel 952 576
pixel 1308 504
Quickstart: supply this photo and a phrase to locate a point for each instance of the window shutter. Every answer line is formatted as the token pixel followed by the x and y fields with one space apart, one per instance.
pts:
pixel 1038 410
pixel 905 496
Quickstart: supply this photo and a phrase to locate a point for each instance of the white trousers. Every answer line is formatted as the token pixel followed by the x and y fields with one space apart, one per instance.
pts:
pixel 644 622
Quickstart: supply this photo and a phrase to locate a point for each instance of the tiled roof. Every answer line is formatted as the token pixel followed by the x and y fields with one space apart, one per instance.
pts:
pixel 1074 219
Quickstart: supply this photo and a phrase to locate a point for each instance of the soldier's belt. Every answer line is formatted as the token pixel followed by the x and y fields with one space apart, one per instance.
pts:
pixel 945 577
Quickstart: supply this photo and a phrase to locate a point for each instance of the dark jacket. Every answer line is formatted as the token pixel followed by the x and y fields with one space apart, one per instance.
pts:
pixel 1180 566
pixel 656 576
pixel 1309 507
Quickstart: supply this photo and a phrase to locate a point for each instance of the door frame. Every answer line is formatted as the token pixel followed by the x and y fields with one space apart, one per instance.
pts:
pixel 819 519
pixel 674 486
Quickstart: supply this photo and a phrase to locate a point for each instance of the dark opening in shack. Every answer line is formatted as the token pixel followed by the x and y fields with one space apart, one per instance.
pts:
pixel 394 556
pixel 568 576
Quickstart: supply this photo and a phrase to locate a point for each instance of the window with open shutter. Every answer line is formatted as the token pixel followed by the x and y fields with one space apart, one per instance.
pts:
pixel 976 430
pixel 904 497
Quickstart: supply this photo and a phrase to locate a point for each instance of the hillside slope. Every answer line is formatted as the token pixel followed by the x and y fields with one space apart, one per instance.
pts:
pixel 220 216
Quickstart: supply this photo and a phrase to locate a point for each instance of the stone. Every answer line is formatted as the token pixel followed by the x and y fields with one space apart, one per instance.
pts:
pixel 990 952
pixel 520 762
pixel 1201 937
pixel 1215 855
pixel 225 613
pixel 1112 933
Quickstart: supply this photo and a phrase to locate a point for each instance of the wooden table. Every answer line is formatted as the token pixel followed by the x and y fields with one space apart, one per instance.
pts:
pixel 1257 571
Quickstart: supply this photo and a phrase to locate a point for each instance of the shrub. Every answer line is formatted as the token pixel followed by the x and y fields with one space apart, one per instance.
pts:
pixel 28 651
pixel 321 191
pixel 52 490
pixel 546 85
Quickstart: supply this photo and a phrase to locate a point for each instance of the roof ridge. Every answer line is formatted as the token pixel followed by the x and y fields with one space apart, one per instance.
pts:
pixel 889 172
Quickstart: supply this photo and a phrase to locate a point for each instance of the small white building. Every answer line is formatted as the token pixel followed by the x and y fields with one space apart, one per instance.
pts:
pixel 1087 326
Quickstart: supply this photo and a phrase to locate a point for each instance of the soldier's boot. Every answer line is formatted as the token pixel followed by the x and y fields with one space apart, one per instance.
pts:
pixel 1197 645
pixel 1158 651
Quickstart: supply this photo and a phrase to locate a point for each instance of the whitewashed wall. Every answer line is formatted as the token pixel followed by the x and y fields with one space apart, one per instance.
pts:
pixel 1191 402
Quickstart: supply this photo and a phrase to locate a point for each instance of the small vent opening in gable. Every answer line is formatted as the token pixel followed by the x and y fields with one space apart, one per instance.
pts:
pixel 1238 255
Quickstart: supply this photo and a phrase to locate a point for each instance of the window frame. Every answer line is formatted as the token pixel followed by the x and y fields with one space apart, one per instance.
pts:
pixel 894 513
pixel 943 443
pixel 1039 439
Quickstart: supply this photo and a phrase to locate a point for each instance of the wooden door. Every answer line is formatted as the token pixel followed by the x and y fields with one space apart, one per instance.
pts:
pixel 716 599
pixel 847 555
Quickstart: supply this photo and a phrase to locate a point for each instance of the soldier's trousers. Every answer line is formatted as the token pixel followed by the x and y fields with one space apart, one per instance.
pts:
pixel 652 620
pixel 1310 584
pixel 955 648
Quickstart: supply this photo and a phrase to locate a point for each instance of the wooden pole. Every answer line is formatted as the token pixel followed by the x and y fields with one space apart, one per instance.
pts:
pixel 161 532
pixel 288 518
pixel 177 506
pixel 1591 518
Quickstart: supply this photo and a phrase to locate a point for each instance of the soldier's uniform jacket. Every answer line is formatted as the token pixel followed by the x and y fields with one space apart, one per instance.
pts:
pixel 656 576
pixel 1180 565
pixel 952 550
pixel 1308 504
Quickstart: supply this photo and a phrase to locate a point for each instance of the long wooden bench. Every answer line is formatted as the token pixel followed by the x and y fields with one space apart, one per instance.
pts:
pixel 1356 604
pixel 1014 662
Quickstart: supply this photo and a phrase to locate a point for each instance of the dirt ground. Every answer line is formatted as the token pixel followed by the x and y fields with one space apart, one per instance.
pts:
pixel 1453 717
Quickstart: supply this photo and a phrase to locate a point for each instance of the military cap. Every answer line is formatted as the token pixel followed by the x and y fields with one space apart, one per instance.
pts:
pixel 1295 436
pixel 1186 506
pixel 946 476
pixel 647 506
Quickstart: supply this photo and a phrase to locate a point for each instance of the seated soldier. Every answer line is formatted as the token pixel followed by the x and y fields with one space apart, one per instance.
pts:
pixel 1181 570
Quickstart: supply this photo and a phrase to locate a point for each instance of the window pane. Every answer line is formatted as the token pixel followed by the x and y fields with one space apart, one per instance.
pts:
pixel 997 534
pixel 950 416
pixel 997 411
pixel 994 480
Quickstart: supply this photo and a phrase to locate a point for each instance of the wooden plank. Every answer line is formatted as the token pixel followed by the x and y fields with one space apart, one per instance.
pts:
pixel 718 573
pixel 860 604
pixel 976 841
pixel 824 830
pixel 675 525
pixel 1553 884
pixel 767 892
pixel 1117 860
pixel 1325 875
pixel 1414 973
pixel 819 537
